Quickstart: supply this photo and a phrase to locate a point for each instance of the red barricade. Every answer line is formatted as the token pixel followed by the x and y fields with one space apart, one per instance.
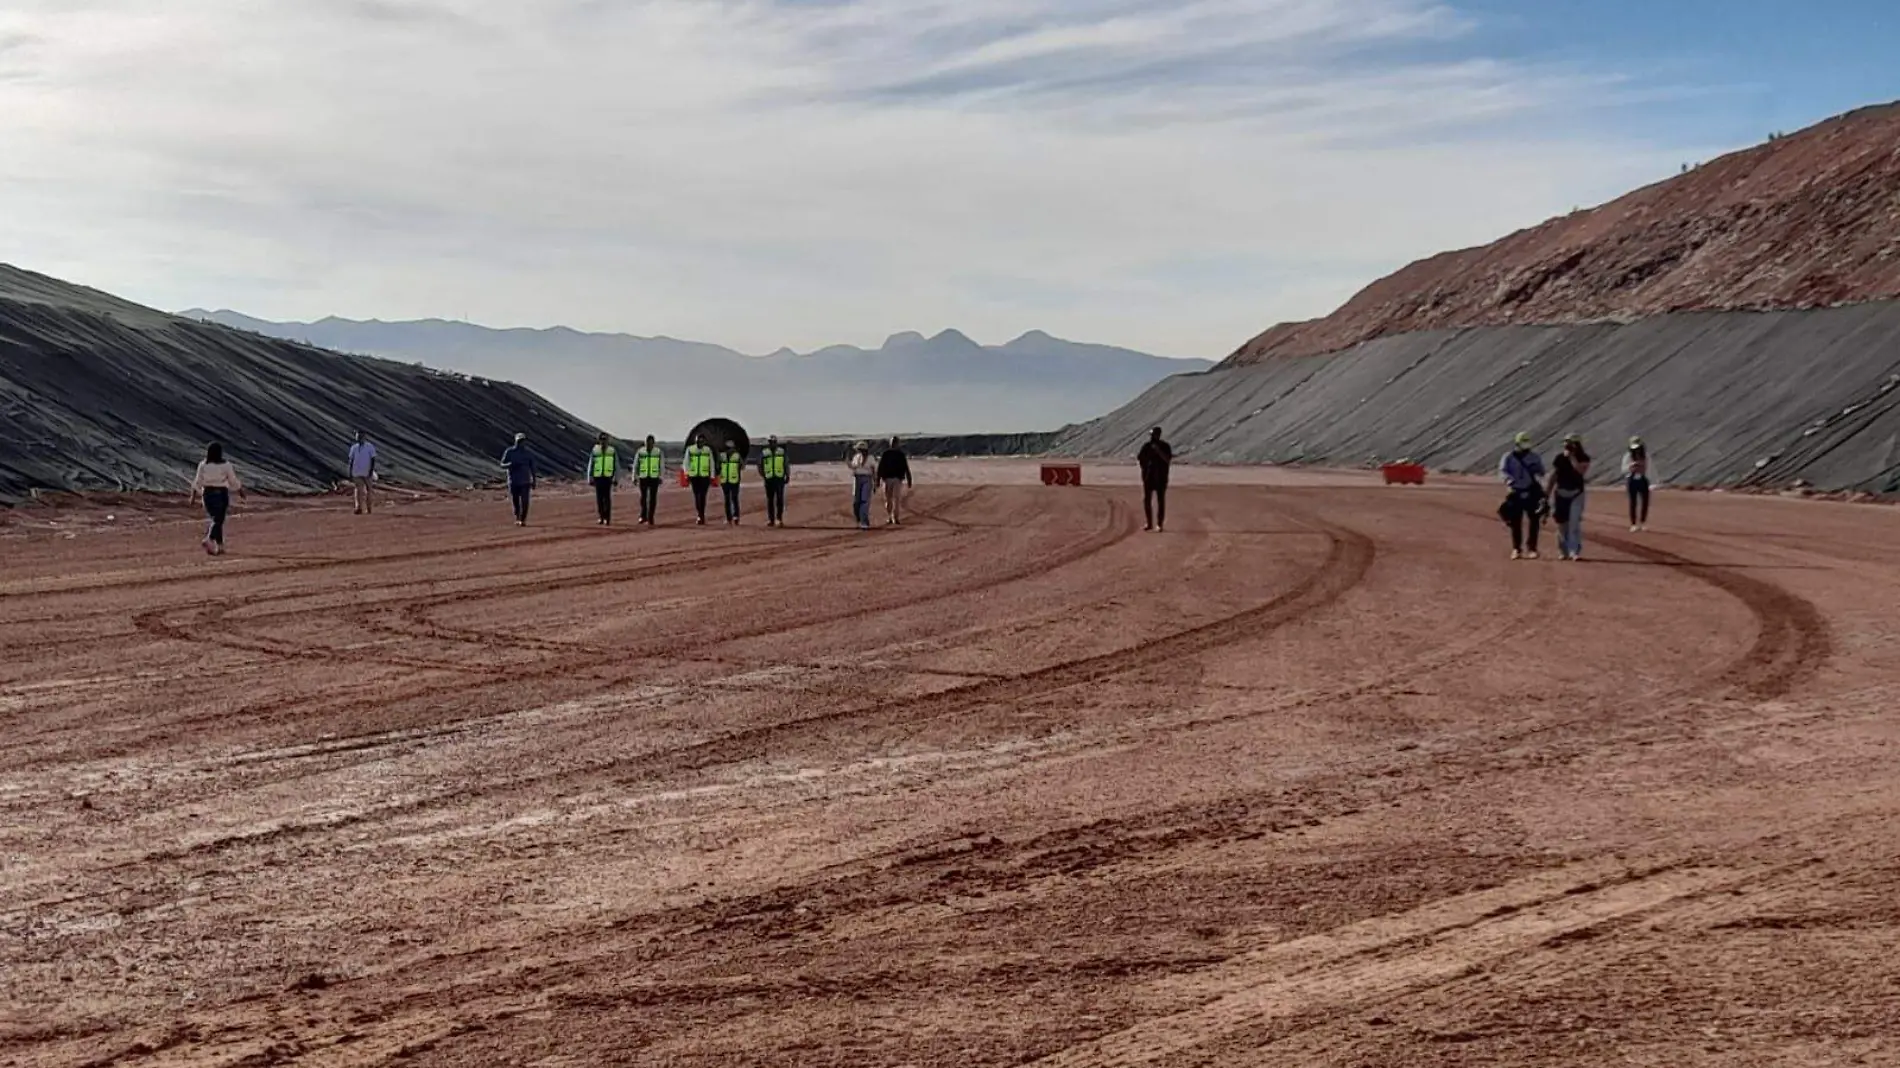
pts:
pixel 1403 474
pixel 1062 474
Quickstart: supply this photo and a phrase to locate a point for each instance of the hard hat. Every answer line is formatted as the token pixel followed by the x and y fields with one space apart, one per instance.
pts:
pixel 1522 441
pixel 1636 442
pixel 1572 439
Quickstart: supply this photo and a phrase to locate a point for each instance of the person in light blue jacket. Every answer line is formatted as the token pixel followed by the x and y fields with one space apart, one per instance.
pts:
pixel 1524 502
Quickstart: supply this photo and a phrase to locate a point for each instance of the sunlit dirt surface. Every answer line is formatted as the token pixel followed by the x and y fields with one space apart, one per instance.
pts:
pixel 1317 777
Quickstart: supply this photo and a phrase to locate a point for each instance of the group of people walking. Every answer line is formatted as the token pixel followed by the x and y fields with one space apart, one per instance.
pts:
pixel 1533 492
pixel 890 470
pixel 703 467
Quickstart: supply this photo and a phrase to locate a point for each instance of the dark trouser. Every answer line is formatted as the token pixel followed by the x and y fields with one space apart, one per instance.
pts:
pixel 217 506
pixel 732 499
pixel 1154 503
pixel 519 495
pixel 1525 517
pixel 700 486
pixel 604 498
pixel 775 500
pixel 1639 499
pixel 649 499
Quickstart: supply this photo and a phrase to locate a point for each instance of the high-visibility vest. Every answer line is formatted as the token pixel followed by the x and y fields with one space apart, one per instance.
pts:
pixel 731 466
pixel 648 463
pixel 604 463
pixel 772 463
pixel 699 461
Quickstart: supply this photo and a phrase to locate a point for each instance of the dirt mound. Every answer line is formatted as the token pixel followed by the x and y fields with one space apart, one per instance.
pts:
pixel 1763 399
pixel 1806 221
pixel 97 393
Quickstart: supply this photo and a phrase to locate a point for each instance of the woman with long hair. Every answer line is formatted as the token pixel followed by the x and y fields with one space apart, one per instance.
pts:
pixel 215 482
pixel 1569 477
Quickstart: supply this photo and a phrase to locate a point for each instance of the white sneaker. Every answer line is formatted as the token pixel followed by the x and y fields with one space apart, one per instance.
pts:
pixel 1532 555
pixel 1634 527
pixel 1517 554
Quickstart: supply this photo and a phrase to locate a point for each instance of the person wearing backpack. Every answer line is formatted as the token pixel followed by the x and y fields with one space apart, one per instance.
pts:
pixel 1524 502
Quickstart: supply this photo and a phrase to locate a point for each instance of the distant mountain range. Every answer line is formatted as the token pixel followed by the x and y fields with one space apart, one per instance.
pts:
pixel 639 385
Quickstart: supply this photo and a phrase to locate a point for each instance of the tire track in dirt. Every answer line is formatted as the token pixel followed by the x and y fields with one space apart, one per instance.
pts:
pixel 1117 527
pixel 1792 642
pixel 1399 956
pixel 1350 555
pixel 147 581
pixel 607 676
pixel 158 623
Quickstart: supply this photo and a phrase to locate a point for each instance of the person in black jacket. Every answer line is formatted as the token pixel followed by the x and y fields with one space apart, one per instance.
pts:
pixel 1155 457
pixel 893 470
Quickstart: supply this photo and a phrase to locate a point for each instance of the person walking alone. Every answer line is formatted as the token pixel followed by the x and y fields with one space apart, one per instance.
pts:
pixel 603 469
pixel 731 469
pixel 214 483
pixel 893 469
pixel 363 472
pixel 1569 477
pixel 1155 457
pixel 649 467
pixel 863 483
pixel 699 475
pixel 773 472
pixel 519 463
pixel 1636 478
pixel 1523 509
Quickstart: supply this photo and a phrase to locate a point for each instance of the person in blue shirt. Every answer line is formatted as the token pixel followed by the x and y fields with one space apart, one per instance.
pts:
pixel 1524 502
pixel 521 477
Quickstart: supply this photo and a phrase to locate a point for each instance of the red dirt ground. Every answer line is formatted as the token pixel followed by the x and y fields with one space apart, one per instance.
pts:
pixel 1316 777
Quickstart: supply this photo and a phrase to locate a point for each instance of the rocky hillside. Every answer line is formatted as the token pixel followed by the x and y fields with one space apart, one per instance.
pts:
pixel 100 393
pixel 1805 221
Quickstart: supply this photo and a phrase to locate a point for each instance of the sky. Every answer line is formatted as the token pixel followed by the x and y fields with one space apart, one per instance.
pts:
pixel 1169 175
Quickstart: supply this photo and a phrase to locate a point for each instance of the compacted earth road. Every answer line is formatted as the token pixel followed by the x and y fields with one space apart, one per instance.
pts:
pixel 1318 776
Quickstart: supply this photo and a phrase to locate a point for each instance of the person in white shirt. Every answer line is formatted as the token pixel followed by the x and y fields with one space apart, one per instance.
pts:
pixel 1636 478
pixel 863 482
pixel 215 482
pixel 363 471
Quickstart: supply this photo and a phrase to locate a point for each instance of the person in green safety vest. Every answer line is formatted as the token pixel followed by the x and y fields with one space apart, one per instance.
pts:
pixel 603 468
pixel 731 467
pixel 649 468
pixel 774 470
pixel 699 475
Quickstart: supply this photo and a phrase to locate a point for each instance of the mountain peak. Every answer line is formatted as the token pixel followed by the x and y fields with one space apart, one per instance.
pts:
pixel 954 336
pixel 903 340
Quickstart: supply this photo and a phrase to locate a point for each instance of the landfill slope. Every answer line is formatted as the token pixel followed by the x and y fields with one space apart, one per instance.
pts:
pixel 97 393
pixel 1722 398
pixel 1810 220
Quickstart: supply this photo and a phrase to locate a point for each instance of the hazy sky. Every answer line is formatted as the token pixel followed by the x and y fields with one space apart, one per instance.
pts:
pixel 1172 175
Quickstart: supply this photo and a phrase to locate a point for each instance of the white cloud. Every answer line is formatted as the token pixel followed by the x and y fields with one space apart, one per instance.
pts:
pixel 1168 175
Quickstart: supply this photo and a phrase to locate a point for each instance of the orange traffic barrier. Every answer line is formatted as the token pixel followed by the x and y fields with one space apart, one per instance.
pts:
pixel 1062 474
pixel 1403 474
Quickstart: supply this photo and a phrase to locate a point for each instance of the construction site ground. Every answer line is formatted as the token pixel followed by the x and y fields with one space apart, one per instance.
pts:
pixel 1317 777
